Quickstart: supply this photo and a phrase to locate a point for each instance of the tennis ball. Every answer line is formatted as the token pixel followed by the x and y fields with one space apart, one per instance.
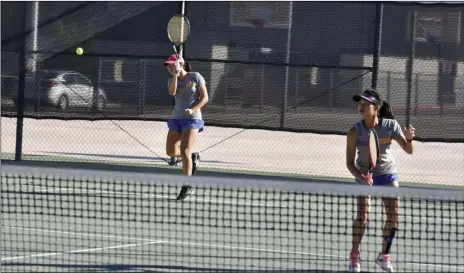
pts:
pixel 79 51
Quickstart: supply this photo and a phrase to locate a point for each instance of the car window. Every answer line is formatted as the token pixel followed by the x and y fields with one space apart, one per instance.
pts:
pixel 49 76
pixel 68 79
pixel 81 80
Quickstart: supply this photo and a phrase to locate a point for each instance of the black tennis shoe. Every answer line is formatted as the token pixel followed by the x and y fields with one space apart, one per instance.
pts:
pixel 173 161
pixel 195 161
pixel 186 191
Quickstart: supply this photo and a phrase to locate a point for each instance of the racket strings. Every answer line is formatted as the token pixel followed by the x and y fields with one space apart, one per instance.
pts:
pixel 178 29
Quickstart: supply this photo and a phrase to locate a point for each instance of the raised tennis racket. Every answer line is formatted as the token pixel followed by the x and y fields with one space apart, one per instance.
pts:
pixel 178 32
pixel 374 152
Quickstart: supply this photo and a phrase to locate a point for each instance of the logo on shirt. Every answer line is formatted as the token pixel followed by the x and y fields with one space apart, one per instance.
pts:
pixel 382 141
pixel 191 84
pixel 385 141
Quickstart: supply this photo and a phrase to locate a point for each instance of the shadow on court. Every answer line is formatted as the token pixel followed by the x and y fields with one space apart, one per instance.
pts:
pixel 146 158
pixel 158 169
pixel 156 269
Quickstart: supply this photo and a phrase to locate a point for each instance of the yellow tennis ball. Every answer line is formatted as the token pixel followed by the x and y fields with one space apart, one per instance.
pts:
pixel 79 51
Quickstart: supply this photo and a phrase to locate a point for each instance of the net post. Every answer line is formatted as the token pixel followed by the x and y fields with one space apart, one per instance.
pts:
pixel 21 89
pixel 377 43
pixel 410 63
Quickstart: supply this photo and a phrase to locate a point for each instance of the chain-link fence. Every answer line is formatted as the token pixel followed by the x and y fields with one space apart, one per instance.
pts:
pixel 286 66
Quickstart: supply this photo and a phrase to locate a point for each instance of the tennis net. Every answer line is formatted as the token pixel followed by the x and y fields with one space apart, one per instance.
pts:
pixel 62 220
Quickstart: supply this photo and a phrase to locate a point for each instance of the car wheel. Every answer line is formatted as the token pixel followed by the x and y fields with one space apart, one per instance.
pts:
pixel 63 103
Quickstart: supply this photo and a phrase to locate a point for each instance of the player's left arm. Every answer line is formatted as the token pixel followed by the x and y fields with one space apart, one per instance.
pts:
pixel 404 139
pixel 203 93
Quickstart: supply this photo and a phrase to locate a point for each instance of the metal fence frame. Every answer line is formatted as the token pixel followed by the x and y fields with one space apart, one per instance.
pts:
pixel 412 80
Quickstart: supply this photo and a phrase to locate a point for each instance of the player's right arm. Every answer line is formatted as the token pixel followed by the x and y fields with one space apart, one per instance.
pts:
pixel 351 143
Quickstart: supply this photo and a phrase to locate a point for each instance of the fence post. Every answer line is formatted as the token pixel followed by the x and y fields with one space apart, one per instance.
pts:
pixel 21 87
pixel 377 43
pixel 416 94
pixel 142 83
pixel 287 68
pixel 410 63
pixel 331 88
pixel 388 85
pixel 96 84
pixel 183 10
pixel 297 89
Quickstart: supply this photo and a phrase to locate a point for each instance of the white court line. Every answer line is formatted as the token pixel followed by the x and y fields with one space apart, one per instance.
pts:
pixel 217 201
pixel 152 241
pixel 79 233
pixel 77 251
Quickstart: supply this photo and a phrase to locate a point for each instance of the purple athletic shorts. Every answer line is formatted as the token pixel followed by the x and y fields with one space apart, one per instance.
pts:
pixel 179 125
pixel 383 179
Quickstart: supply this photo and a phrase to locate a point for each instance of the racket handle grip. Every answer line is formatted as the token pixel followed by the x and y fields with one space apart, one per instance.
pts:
pixel 369 177
pixel 178 64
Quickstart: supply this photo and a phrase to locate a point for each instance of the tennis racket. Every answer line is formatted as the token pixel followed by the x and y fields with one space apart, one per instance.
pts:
pixel 178 32
pixel 374 152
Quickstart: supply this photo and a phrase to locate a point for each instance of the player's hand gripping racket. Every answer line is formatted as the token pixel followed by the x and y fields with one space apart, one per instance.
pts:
pixel 374 152
pixel 178 32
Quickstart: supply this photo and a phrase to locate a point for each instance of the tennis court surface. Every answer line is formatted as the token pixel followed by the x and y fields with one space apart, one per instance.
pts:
pixel 68 220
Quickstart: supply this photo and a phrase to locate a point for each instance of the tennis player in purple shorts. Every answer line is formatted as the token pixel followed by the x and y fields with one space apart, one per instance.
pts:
pixel 190 93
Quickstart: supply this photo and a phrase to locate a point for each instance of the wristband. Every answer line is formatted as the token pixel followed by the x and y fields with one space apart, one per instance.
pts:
pixel 409 140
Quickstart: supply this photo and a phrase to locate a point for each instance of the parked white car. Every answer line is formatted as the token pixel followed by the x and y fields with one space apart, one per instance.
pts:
pixel 63 89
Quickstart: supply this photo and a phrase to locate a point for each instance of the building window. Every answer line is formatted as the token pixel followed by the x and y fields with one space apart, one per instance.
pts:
pixel 273 14
pixel 118 71
pixel 437 26
pixel 428 26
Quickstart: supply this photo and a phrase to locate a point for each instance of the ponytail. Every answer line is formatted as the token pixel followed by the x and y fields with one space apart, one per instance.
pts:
pixel 386 111
pixel 187 67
